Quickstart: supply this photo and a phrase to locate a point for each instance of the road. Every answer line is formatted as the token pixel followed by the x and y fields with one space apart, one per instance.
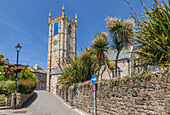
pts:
pixel 42 103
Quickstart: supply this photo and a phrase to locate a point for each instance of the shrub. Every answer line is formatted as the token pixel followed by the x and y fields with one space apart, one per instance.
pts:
pixel 153 33
pixel 26 74
pixel 7 87
pixel 26 86
pixel 23 86
pixel 2 78
pixel 2 98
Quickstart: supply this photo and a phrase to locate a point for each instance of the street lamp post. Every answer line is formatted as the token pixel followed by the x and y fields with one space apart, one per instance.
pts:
pixel 18 48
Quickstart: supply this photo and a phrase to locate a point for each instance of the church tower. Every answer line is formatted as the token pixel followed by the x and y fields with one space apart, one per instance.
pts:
pixel 61 45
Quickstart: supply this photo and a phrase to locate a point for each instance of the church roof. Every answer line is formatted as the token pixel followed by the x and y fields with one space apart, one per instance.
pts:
pixel 123 54
pixel 111 55
pixel 58 70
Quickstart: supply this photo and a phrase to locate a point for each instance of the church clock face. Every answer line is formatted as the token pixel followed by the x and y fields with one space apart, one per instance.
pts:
pixel 55 42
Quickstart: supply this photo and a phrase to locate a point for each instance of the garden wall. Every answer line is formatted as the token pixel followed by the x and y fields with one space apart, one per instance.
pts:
pixel 21 99
pixel 149 94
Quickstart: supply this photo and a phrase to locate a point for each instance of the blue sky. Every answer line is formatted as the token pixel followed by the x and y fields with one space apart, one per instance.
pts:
pixel 26 22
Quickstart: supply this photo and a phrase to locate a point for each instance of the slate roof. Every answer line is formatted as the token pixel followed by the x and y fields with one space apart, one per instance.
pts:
pixel 36 70
pixel 58 70
pixel 123 54
pixel 111 55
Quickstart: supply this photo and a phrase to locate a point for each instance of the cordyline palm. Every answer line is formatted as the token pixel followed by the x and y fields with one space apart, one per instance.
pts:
pixel 120 31
pixel 89 61
pixel 100 45
pixel 80 69
pixel 71 74
pixel 153 35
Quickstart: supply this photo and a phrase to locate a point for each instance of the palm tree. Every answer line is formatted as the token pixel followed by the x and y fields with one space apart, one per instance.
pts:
pixel 100 45
pixel 153 33
pixel 89 60
pixel 80 69
pixel 120 32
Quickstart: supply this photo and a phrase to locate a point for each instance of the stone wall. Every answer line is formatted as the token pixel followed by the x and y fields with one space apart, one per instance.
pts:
pixel 53 82
pixel 140 95
pixel 25 97
pixel 21 99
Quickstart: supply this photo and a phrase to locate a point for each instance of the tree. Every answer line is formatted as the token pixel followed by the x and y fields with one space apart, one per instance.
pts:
pixel 80 69
pixel 100 46
pixel 121 32
pixel 26 74
pixel 89 62
pixel 153 33
pixel 2 60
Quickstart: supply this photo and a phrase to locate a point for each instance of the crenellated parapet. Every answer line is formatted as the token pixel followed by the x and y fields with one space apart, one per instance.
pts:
pixel 62 17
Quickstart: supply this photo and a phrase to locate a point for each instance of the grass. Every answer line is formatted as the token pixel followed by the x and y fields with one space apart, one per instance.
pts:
pixel 2 99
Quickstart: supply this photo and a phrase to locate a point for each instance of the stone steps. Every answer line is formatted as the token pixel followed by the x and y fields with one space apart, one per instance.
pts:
pixel 2 103
pixel 4 107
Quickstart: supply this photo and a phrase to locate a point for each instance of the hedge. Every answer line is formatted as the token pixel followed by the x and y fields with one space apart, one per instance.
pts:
pixel 24 86
pixel 7 87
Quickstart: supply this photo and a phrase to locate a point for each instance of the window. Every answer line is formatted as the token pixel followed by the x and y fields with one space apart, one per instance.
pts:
pixel 55 28
pixel 69 29
pixel 40 77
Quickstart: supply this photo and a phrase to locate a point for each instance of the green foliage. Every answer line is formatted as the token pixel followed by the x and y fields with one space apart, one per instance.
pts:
pixel 1 68
pixel 10 73
pixel 121 32
pixel 23 86
pixel 7 87
pixel 26 80
pixel 153 33
pixel 100 46
pixel 2 78
pixel 26 74
pixel 81 69
pixel 2 60
pixel 26 86
pixel 2 98
pixel 127 88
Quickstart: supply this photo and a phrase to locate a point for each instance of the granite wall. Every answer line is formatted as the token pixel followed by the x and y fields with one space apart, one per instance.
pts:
pixel 21 99
pixel 140 95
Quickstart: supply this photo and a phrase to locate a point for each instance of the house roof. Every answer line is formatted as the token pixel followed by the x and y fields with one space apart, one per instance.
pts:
pixel 36 70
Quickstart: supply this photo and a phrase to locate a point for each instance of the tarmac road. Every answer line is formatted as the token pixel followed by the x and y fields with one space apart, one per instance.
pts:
pixel 42 103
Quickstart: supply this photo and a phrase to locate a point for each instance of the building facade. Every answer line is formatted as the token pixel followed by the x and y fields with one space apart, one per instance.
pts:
pixel 61 46
pixel 126 63
pixel 41 76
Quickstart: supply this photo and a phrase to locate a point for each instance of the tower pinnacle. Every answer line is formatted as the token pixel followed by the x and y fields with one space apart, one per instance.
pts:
pixel 63 11
pixel 49 16
pixel 76 19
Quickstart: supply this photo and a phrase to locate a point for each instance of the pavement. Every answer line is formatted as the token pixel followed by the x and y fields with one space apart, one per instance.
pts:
pixel 44 103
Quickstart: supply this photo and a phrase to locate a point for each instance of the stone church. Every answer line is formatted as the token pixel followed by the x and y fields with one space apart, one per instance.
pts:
pixel 61 47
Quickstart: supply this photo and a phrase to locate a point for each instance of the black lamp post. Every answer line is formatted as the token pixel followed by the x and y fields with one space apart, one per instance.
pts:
pixel 18 48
